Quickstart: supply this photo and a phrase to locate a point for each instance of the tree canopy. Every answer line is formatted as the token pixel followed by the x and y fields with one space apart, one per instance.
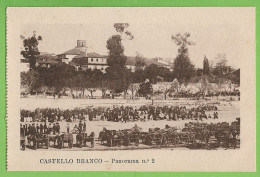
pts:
pixel 31 48
pixel 183 68
pixel 205 66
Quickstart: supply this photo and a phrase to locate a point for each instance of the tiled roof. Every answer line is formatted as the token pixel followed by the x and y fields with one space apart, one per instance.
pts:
pixel 74 51
pixel 95 55
pixel 79 56
pixel 91 55
pixel 132 61
pixel 152 61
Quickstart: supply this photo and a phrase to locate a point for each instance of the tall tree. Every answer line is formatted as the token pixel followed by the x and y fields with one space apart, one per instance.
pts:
pixel 116 56
pixel 151 73
pixel 31 48
pixel 165 73
pixel 205 66
pixel 115 46
pixel 145 88
pixel 139 76
pixel 183 68
pixel 117 71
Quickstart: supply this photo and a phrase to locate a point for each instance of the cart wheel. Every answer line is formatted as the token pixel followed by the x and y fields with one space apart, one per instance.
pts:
pixel 164 141
pixel 137 143
pixel 177 140
pixel 149 141
pixel 70 144
pixel 92 144
pixel 34 144
pixel 127 142
pixel 59 144
pixel 119 143
pixel 160 142
pixel 47 144
pixel 80 144
pixel 109 142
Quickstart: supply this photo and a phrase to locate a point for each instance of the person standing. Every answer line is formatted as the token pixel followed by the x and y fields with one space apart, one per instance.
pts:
pixel 84 127
pixel 33 129
pixel 80 127
pixel 50 128
pixel 41 128
pixel 58 128
pixel 37 128
pixel 68 128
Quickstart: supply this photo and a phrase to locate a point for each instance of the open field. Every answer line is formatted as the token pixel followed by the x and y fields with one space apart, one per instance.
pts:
pixel 68 103
pixel 227 111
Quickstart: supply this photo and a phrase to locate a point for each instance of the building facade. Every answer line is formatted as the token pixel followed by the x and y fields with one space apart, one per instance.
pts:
pixel 81 59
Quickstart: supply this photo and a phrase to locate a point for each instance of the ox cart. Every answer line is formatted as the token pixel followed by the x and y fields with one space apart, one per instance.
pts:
pixel 83 138
pixel 155 136
pixel 38 141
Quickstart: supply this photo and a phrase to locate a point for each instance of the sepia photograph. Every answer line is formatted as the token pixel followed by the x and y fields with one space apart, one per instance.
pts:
pixel 82 99
pixel 164 83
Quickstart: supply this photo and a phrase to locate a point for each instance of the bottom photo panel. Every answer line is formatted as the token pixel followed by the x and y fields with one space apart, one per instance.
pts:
pixel 141 124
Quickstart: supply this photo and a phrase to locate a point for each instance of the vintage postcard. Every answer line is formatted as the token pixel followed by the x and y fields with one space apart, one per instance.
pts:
pixel 131 89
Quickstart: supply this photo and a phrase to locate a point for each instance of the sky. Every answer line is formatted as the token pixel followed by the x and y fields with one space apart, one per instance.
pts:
pixel 212 30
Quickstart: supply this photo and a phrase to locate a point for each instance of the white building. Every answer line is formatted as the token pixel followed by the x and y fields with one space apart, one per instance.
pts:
pixel 96 61
pixel 82 60
pixel 79 51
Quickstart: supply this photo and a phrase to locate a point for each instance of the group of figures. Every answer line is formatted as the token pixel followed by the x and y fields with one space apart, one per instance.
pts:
pixel 198 95
pixel 193 135
pixel 51 128
pixel 123 113
pixel 42 136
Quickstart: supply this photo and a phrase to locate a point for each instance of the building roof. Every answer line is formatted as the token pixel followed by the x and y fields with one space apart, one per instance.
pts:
pixel 95 55
pixel 132 61
pixel 91 55
pixel 80 56
pixel 74 51
pixel 151 61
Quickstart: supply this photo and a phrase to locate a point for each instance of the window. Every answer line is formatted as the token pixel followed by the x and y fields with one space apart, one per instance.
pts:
pixel 91 59
pixel 102 60
pixel 97 59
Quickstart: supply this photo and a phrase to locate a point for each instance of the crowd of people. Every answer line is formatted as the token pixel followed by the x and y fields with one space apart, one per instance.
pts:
pixel 190 95
pixel 122 113
pixel 50 128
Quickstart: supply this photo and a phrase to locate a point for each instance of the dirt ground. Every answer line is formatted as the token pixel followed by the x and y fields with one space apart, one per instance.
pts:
pixel 228 112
